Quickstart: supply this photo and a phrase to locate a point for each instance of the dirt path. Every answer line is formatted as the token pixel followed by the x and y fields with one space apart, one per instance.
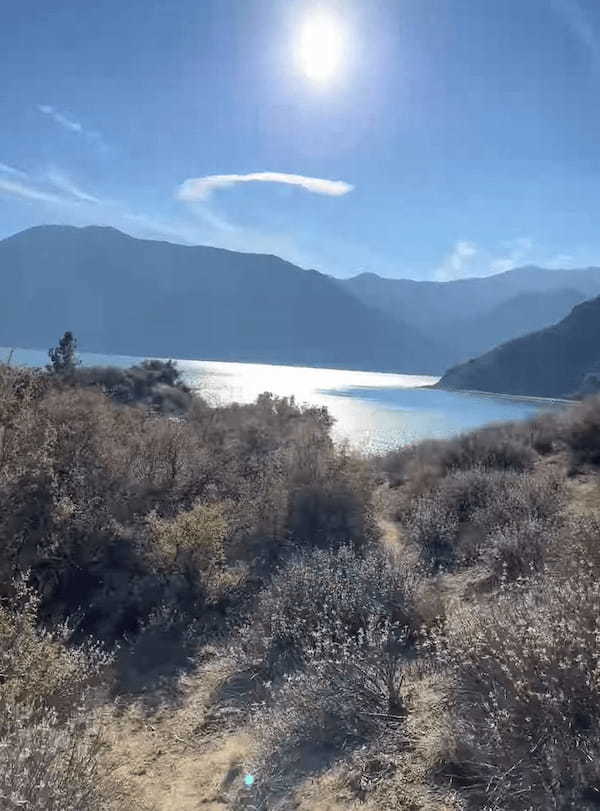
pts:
pixel 166 759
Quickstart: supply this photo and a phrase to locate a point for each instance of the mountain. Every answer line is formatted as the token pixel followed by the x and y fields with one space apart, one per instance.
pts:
pixel 470 316
pixel 553 362
pixel 519 315
pixel 123 295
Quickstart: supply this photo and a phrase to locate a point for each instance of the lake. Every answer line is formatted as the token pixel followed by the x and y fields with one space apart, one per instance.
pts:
pixel 374 411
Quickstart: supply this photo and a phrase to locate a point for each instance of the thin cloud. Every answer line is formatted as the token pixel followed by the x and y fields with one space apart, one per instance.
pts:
pixel 64 184
pixel 200 188
pixel 51 187
pixel 458 263
pixel 72 125
pixel 10 170
pixel 468 259
pixel 64 121
pixel 16 188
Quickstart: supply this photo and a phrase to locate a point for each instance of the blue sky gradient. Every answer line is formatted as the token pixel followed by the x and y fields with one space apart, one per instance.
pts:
pixel 467 131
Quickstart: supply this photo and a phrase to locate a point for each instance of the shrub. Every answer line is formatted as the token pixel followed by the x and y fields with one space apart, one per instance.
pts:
pixel 40 666
pixel 155 384
pixel 496 447
pixel 50 766
pixel 50 749
pixel 583 432
pixel 330 499
pixel 81 477
pixel 545 433
pixel 188 553
pixel 452 524
pixel 349 693
pixel 519 550
pixel 523 702
pixel 325 596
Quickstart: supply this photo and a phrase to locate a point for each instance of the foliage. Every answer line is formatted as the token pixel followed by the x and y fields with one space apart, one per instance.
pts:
pixel 456 522
pixel 583 432
pixel 63 358
pixel 47 765
pixel 50 748
pixel 332 595
pixel 154 384
pixel 134 512
pixel 522 710
pixel 98 500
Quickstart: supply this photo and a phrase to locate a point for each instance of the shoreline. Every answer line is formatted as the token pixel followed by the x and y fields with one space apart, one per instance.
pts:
pixel 527 398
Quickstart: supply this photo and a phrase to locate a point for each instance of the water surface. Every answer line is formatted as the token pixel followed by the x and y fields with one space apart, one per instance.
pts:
pixel 373 411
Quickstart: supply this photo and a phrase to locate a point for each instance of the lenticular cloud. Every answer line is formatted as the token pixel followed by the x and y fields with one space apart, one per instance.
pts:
pixel 200 188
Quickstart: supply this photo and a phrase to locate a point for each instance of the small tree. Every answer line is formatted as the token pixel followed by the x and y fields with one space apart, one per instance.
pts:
pixel 63 358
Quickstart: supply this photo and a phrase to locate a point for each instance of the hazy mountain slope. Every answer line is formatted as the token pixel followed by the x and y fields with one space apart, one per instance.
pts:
pixel 517 316
pixel 469 316
pixel 420 302
pixel 131 296
pixel 550 363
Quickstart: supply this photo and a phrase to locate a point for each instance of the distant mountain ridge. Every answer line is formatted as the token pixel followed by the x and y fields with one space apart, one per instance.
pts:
pixel 124 295
pixel 553 362
pixel 473 315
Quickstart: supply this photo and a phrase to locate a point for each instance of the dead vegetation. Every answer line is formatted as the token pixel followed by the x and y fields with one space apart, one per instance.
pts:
pixel 189 603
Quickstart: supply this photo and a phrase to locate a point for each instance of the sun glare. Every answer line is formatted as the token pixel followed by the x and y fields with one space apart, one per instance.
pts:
pixel 320 47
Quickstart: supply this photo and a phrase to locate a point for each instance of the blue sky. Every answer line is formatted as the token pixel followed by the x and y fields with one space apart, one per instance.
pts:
pixel 461 136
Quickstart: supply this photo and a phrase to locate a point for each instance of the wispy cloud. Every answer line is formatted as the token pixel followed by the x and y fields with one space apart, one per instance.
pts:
pixel 26 191
pixel 469 259
pixel 458 262
pixel 58 194
pixel 10 170
pixel 200 188
pixel 52 187
pixel 70 124
pixel 64 184
pixel 60 118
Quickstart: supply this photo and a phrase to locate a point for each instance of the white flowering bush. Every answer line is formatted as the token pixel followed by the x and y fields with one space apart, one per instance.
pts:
pixel 455 522
pixel 49 764
pixel 39 666
pixel 522 726
pixel 49 746
pixel 324 596
pixel 349 692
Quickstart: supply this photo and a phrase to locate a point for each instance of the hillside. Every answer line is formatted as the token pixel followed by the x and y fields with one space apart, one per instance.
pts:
pixel 229 611
pixel 130 296
pixel 552 362
pixel 474 315
pixel 517 316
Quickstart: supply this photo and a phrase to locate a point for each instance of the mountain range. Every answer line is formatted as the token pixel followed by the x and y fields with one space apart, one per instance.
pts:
pixel 122 295
pixel 470 316
pixel 559 361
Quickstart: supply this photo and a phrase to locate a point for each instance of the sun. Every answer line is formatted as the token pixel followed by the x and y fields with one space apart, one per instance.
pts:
pixel 320 46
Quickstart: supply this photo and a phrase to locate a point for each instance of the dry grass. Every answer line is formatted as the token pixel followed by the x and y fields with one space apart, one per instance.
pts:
pixel 418 632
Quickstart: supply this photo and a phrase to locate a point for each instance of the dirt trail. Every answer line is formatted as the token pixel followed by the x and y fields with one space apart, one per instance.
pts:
pixel 390 535
pixel 169 763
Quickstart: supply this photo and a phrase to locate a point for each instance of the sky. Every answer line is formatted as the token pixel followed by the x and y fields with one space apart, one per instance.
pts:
pixel 425 139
